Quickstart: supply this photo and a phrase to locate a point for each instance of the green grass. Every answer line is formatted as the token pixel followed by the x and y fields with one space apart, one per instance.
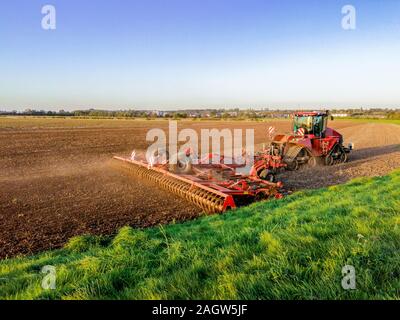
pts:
pixel 369 120
pixel 294 248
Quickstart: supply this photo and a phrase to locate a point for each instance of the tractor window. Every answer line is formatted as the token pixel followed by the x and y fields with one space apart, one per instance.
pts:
pixel 303 122
pixel 312 124
pixel 318 125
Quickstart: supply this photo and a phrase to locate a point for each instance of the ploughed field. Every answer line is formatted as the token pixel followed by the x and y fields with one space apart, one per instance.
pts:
pixel 57 178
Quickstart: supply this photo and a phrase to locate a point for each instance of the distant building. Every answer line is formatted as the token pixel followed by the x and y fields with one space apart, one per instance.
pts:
pixel 340 115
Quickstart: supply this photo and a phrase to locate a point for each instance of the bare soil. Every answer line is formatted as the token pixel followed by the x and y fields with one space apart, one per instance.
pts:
pixel 57 178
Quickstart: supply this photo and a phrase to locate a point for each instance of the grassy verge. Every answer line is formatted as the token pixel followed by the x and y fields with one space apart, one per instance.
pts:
pixel 294 248
pixel 369 120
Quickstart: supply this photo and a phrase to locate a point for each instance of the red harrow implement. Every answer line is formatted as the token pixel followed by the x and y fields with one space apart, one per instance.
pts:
pixel 214 187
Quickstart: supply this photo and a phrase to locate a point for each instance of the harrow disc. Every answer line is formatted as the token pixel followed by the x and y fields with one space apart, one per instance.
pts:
pixel 209 200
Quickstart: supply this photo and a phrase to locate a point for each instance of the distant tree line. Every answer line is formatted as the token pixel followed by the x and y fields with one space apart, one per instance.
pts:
pixel 394 115
pixel 235 113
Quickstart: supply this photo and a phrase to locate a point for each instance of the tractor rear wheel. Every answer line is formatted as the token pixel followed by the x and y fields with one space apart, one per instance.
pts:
pixel 343 157
pixel 329 160
pixel 312 162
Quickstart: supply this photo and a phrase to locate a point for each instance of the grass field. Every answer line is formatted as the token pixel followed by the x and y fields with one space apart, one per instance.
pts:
pixel 367 120
pixel 294 248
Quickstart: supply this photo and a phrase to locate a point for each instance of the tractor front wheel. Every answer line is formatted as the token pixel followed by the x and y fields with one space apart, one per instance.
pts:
pixel 329 160
pixel 336 156
pixel 343 157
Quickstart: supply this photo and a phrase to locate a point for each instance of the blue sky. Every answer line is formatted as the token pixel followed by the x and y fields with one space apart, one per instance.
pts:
pixel 169 54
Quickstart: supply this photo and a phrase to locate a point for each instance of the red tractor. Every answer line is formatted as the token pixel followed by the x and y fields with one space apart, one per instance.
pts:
pixel 311 142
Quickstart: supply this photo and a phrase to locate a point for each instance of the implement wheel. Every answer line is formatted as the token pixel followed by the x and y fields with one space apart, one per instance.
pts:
pixel 293 165
pixel 266 175
pixel 182 165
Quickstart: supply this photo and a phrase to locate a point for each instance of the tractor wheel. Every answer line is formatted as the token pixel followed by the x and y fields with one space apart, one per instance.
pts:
pixel 343 157
pixel 329 161
pixel 336 156
pixel 312 162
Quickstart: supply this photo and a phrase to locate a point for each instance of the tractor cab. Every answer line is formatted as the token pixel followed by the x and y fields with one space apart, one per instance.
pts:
pixel 313 123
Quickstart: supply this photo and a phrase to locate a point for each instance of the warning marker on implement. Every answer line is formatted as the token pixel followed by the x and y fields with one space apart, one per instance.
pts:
pixel 271 131
pixel 301 132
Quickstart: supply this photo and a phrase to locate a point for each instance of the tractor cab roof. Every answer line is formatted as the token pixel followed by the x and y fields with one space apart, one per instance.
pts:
pixel 311 113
